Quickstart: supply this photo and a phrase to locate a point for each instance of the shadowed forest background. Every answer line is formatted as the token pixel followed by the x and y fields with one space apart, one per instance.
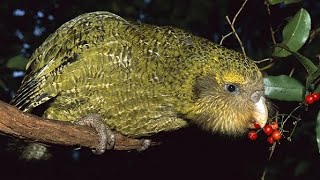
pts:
pixel 187 153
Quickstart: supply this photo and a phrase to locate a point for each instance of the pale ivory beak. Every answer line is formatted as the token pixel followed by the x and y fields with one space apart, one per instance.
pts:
pixel 261 112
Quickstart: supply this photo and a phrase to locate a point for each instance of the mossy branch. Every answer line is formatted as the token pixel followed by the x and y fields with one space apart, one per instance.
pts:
pixel 14 122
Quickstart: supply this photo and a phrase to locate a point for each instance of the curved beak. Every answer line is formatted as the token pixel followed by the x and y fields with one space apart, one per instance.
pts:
pixel 261 112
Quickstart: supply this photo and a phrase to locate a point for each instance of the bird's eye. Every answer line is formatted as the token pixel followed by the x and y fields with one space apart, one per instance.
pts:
pixel 231 88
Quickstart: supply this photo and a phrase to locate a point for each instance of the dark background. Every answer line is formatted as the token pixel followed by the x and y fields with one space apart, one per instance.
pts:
pixel 187 153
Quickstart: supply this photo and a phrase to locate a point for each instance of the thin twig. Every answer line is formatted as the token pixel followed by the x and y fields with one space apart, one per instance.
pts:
pixel 224 37
pixel 232 25
pixel 291 72
pixel 270 156
pixel 235 17
pixel 235 33
pixel 270 26
pixel 294 128
pixel 267 66
pixel 264 60
pixel 285 115
pixel 290 115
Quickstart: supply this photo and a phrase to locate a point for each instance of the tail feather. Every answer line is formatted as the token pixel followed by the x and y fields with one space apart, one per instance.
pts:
pixel 23 92
pixel 30 95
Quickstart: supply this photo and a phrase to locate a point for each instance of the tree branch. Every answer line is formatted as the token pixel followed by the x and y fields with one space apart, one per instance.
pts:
pixel 15 123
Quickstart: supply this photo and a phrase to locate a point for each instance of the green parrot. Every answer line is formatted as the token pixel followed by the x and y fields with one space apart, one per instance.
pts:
pixel 139 79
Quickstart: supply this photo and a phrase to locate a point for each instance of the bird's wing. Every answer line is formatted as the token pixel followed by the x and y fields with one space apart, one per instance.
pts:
pixel 62 48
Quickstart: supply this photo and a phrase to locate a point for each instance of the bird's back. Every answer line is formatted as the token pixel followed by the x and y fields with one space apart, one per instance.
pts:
pixel 136 76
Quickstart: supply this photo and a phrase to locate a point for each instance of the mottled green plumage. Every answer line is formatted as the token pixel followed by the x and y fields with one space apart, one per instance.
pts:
pixel 142 79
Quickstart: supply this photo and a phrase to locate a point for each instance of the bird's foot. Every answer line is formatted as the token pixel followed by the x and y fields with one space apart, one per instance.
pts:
pixel 106 136
pixel 145 144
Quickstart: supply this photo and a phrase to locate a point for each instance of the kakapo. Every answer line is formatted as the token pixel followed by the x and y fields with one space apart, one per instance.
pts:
pixel 140 79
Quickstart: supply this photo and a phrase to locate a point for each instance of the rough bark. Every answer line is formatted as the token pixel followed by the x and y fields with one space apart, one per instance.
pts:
pixel 14 122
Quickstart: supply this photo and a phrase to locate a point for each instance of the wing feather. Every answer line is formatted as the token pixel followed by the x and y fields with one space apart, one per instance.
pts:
pixel 60 49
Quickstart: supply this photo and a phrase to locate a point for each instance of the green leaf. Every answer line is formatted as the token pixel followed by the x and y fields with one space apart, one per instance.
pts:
pixel 307 63
pixel 17 62
pixel 291 1
pixel 295 33
pixel 313 78
pixel 317 89
pixel 273 2
pixel 318 131
pixel 283 88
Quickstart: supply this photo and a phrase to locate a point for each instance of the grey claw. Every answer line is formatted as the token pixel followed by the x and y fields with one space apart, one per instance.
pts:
pixel 106 136
pixel 145 144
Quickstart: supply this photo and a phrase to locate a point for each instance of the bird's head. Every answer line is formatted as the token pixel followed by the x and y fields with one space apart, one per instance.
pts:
pixel 228 95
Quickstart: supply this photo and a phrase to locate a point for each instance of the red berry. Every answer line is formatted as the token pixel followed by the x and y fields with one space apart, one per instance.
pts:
pixel 256 125
pixel 267 129
pixel 252 135
pixel 309 99
pixel 274 125
pixel 316 96
pixel 270 140
pixel 276 135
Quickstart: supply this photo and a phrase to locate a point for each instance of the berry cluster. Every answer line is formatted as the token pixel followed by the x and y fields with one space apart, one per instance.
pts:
pixel 271 130
pixel 312 98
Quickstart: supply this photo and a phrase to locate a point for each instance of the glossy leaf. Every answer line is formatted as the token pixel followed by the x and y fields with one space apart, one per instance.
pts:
pixel 312 78
pixel 273 2
pixel 283 88
pixel 18 62
pixel 317 89
pixel 295 33
pixel 315 76
pixel 307 63
pixel 318 131
pixel 291 1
